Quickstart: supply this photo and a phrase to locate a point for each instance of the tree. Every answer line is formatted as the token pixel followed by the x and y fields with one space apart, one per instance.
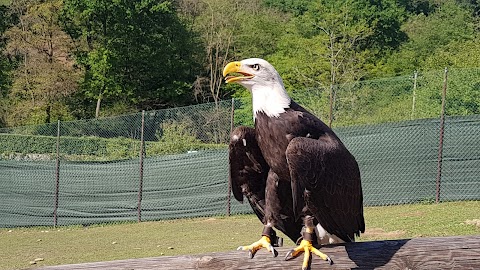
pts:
pixel 323 47
pixel 46 75
pixel 343 31
pixel 217 23
pixel 462 58
pixel 296 7
pixel 138 52
pixel 232 30
pixel 6 65
pixel 385 19
pixel 419 6
pixel 449 23
pixel 332 43
pixel 4 61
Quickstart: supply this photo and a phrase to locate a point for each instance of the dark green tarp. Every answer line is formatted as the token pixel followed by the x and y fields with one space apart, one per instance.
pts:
pixel 398 163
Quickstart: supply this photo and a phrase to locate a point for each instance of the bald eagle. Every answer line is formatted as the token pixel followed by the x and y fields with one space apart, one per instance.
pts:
pixel 294 171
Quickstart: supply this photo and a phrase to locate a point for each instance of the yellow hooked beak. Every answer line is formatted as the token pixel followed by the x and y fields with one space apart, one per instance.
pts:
pixel 235 68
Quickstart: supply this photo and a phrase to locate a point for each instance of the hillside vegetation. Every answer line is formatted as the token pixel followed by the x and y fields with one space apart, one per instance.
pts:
pixel 68 60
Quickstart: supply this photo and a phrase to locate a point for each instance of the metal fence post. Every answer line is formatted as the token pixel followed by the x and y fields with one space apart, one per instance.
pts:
pixel 229 194
pixel 142 154
pixel 414 94
pixel 442 129
pixel 57 177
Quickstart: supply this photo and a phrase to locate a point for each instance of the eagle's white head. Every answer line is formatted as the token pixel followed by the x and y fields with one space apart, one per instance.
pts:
pixel 263 81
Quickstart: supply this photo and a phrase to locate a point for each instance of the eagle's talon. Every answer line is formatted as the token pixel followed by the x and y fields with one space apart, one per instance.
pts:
pixel 307 248
pixel 264 242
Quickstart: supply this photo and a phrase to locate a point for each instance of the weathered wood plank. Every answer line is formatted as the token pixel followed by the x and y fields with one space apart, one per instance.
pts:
pixel 461 252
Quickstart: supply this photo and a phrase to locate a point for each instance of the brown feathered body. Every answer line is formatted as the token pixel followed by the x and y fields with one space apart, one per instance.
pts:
pixel 294 165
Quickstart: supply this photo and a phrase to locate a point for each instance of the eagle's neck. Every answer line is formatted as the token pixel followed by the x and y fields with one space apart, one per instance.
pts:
pixel 271 100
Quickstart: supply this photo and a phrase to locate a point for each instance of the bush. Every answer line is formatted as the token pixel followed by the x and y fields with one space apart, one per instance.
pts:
pixel 95 148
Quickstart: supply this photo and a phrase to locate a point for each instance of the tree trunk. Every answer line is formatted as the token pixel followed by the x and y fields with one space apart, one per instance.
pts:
pixel 48 111
pixel 97 109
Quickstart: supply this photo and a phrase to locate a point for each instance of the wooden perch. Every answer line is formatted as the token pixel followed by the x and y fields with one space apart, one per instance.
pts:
pixel 459 252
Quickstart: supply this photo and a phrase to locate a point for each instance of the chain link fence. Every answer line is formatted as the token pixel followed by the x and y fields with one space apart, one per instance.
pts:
pixel 173 163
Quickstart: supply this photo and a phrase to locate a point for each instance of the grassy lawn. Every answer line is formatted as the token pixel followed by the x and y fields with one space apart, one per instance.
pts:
pixel 66 245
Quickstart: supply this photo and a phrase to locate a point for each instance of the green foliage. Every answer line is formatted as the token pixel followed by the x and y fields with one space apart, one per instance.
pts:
pixel 29 144
pixel 99 79
pixel 427 201
pixel 6 65
pixel 296 7
pixel 315 100
pixel 418 6
pixel 147 54
pixel 158 148
pixel 463 93
pixel 392 99
pixel 373 101
pixel 451 23
pixel 335 42
pixel 94 148
pixel 135 51
pixel 294 59
pixel 385 19
pixel 388 99
pixel 243 112
pixel 177 132
pixel 45 75
pixel 262 30
pixel 459 54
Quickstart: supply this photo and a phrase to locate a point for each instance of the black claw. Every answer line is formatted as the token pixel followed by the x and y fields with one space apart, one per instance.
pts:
pixel 329 260
pixel 275 253
pixel 273 250
pixel 288 256
pixel 251 254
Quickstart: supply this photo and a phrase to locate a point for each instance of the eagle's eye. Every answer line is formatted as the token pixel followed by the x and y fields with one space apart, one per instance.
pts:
pixel 255 67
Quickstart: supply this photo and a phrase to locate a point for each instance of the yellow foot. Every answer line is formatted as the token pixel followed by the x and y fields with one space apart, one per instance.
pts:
pixel 306 247
pixel 264 242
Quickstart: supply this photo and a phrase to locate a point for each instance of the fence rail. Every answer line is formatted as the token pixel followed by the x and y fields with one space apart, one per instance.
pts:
pixel 173 163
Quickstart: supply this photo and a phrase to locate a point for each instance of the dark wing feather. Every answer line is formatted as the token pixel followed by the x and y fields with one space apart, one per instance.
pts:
pixel 326 177
pixel 248 169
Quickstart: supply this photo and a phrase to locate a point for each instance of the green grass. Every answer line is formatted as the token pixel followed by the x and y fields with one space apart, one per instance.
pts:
pixel 5 2
pixel 66 245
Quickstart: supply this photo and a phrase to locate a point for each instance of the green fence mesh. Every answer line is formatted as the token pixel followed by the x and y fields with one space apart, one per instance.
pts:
pixel 398 161
pixel 461 159
pixel 185 169
pixel 26 193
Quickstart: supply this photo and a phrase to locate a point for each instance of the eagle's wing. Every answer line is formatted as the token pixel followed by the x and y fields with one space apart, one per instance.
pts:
pixel 248 169
pixel 248 177
pixel 326 178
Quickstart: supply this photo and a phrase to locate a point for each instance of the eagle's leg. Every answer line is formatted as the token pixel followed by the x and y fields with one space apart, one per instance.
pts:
pixel 268 241
pixel 306 246
pixel 272 208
